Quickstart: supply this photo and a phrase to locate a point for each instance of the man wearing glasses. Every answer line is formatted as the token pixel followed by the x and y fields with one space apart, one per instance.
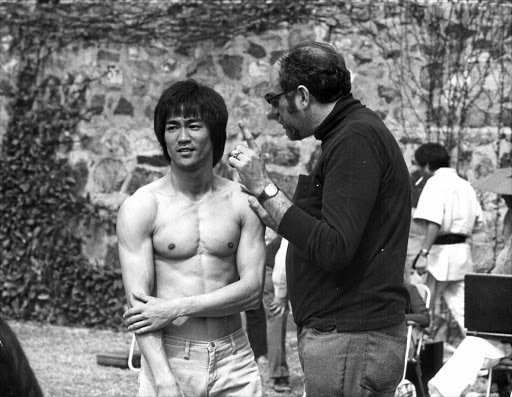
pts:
pixel 347 226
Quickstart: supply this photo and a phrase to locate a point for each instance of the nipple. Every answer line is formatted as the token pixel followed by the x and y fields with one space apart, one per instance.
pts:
pixel 171 246
pixel 231 245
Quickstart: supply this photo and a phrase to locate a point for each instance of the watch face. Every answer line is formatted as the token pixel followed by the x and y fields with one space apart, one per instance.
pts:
pixel 270 190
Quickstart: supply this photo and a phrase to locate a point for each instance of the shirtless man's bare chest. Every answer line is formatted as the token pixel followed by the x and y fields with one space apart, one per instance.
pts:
pixel 194 247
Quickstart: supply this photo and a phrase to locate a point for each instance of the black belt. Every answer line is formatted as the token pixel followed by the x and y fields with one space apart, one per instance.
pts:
pixel 446 239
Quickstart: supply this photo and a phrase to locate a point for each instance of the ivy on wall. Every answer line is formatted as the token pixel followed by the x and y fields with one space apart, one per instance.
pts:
pixel 42 271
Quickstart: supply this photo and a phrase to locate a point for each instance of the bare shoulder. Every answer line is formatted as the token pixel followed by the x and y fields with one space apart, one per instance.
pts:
pixel 233 191
pixel 140 209
pixel 239 201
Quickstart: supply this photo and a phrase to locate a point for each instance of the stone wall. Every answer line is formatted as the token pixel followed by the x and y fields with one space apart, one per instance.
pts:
pixel 116 152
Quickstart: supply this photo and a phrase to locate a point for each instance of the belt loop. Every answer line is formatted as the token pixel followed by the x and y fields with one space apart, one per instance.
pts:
pixel 233 344
pixel 187 350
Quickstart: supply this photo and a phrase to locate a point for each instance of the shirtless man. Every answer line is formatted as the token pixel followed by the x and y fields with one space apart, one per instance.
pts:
pixel 192 254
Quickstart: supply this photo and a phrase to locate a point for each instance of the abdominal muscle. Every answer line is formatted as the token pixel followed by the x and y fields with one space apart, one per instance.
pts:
pixel 197 275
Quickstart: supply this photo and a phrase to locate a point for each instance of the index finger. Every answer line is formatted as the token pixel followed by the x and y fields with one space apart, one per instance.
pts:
pixel 131 312
pixel 248 136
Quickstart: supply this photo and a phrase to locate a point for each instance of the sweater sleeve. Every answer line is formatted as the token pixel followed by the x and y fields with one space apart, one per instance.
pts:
pixel 352 172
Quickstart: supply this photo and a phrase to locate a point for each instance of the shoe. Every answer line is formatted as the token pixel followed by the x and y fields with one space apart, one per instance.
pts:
pixel 282 385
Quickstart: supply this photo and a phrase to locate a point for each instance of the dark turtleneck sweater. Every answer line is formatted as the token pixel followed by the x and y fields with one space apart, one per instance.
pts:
pixel 349 226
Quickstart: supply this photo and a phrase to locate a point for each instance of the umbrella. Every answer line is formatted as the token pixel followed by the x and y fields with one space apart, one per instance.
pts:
pixel 500 182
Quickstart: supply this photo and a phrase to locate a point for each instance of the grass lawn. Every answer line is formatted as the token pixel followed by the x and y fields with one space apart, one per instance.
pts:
pixel 64 361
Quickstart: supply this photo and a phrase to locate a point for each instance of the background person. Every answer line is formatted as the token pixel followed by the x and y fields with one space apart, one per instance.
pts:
pixel 256 328
pixel 275 299
pixel 347 226
pixel 448 211
pixel 271 330
pixel 192 255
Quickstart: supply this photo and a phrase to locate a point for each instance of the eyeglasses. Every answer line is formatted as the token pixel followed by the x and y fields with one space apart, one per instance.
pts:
pixel 271 99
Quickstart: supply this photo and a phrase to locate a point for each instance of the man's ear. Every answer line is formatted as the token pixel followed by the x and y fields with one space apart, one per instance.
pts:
pixel 305 96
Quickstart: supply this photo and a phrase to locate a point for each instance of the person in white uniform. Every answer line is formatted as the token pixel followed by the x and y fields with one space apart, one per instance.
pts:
pixel 449 211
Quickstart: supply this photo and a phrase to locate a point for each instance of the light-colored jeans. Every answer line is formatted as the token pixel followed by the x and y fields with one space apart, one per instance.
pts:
pixel 224 367
pixel 352 364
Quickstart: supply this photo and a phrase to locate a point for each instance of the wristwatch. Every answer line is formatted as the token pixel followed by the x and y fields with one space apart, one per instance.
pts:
pixel 423 252
pixel 269 191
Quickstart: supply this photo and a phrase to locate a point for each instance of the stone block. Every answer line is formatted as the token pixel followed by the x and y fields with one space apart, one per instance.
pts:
pixel 206 68
pixel 6 88
pixel 139 88
pixel 97 104
pixel 107 56
pixel 256 50
pixel 154 161
pixel 232 66
pixel 477 118
pixel 258 69
pixel 388 93
pixel 124 107
pixel 301 33
pixel 143 67
pixel 109 175
pixel 80 173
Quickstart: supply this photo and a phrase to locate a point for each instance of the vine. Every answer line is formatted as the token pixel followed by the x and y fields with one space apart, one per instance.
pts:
pixel 463 44
pixel 44 275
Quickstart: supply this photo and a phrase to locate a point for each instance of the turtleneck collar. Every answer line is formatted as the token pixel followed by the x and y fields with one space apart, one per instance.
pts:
pixel 343 107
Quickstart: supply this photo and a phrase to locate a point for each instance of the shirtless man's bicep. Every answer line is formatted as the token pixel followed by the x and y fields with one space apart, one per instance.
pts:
pixel 134 231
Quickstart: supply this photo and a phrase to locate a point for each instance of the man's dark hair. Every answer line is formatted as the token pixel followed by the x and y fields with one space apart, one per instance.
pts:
pixel 190 99
pixel 318 67
pixel 433 154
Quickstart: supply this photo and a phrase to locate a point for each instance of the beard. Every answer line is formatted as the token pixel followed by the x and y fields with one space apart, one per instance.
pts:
pixel 291 133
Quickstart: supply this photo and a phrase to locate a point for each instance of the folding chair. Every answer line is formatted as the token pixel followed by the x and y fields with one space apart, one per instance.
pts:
pixel 415 341
pixel 131 355
pixel 505 364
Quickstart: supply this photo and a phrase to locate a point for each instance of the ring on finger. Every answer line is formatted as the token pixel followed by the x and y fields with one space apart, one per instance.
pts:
pixel 235 153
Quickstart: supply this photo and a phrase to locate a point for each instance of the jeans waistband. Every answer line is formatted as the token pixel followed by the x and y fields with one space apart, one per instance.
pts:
pixel 447 239
pixel 235 336
pixel 228 340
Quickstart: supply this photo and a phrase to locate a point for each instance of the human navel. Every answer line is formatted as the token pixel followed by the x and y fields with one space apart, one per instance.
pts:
pixel 171 246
